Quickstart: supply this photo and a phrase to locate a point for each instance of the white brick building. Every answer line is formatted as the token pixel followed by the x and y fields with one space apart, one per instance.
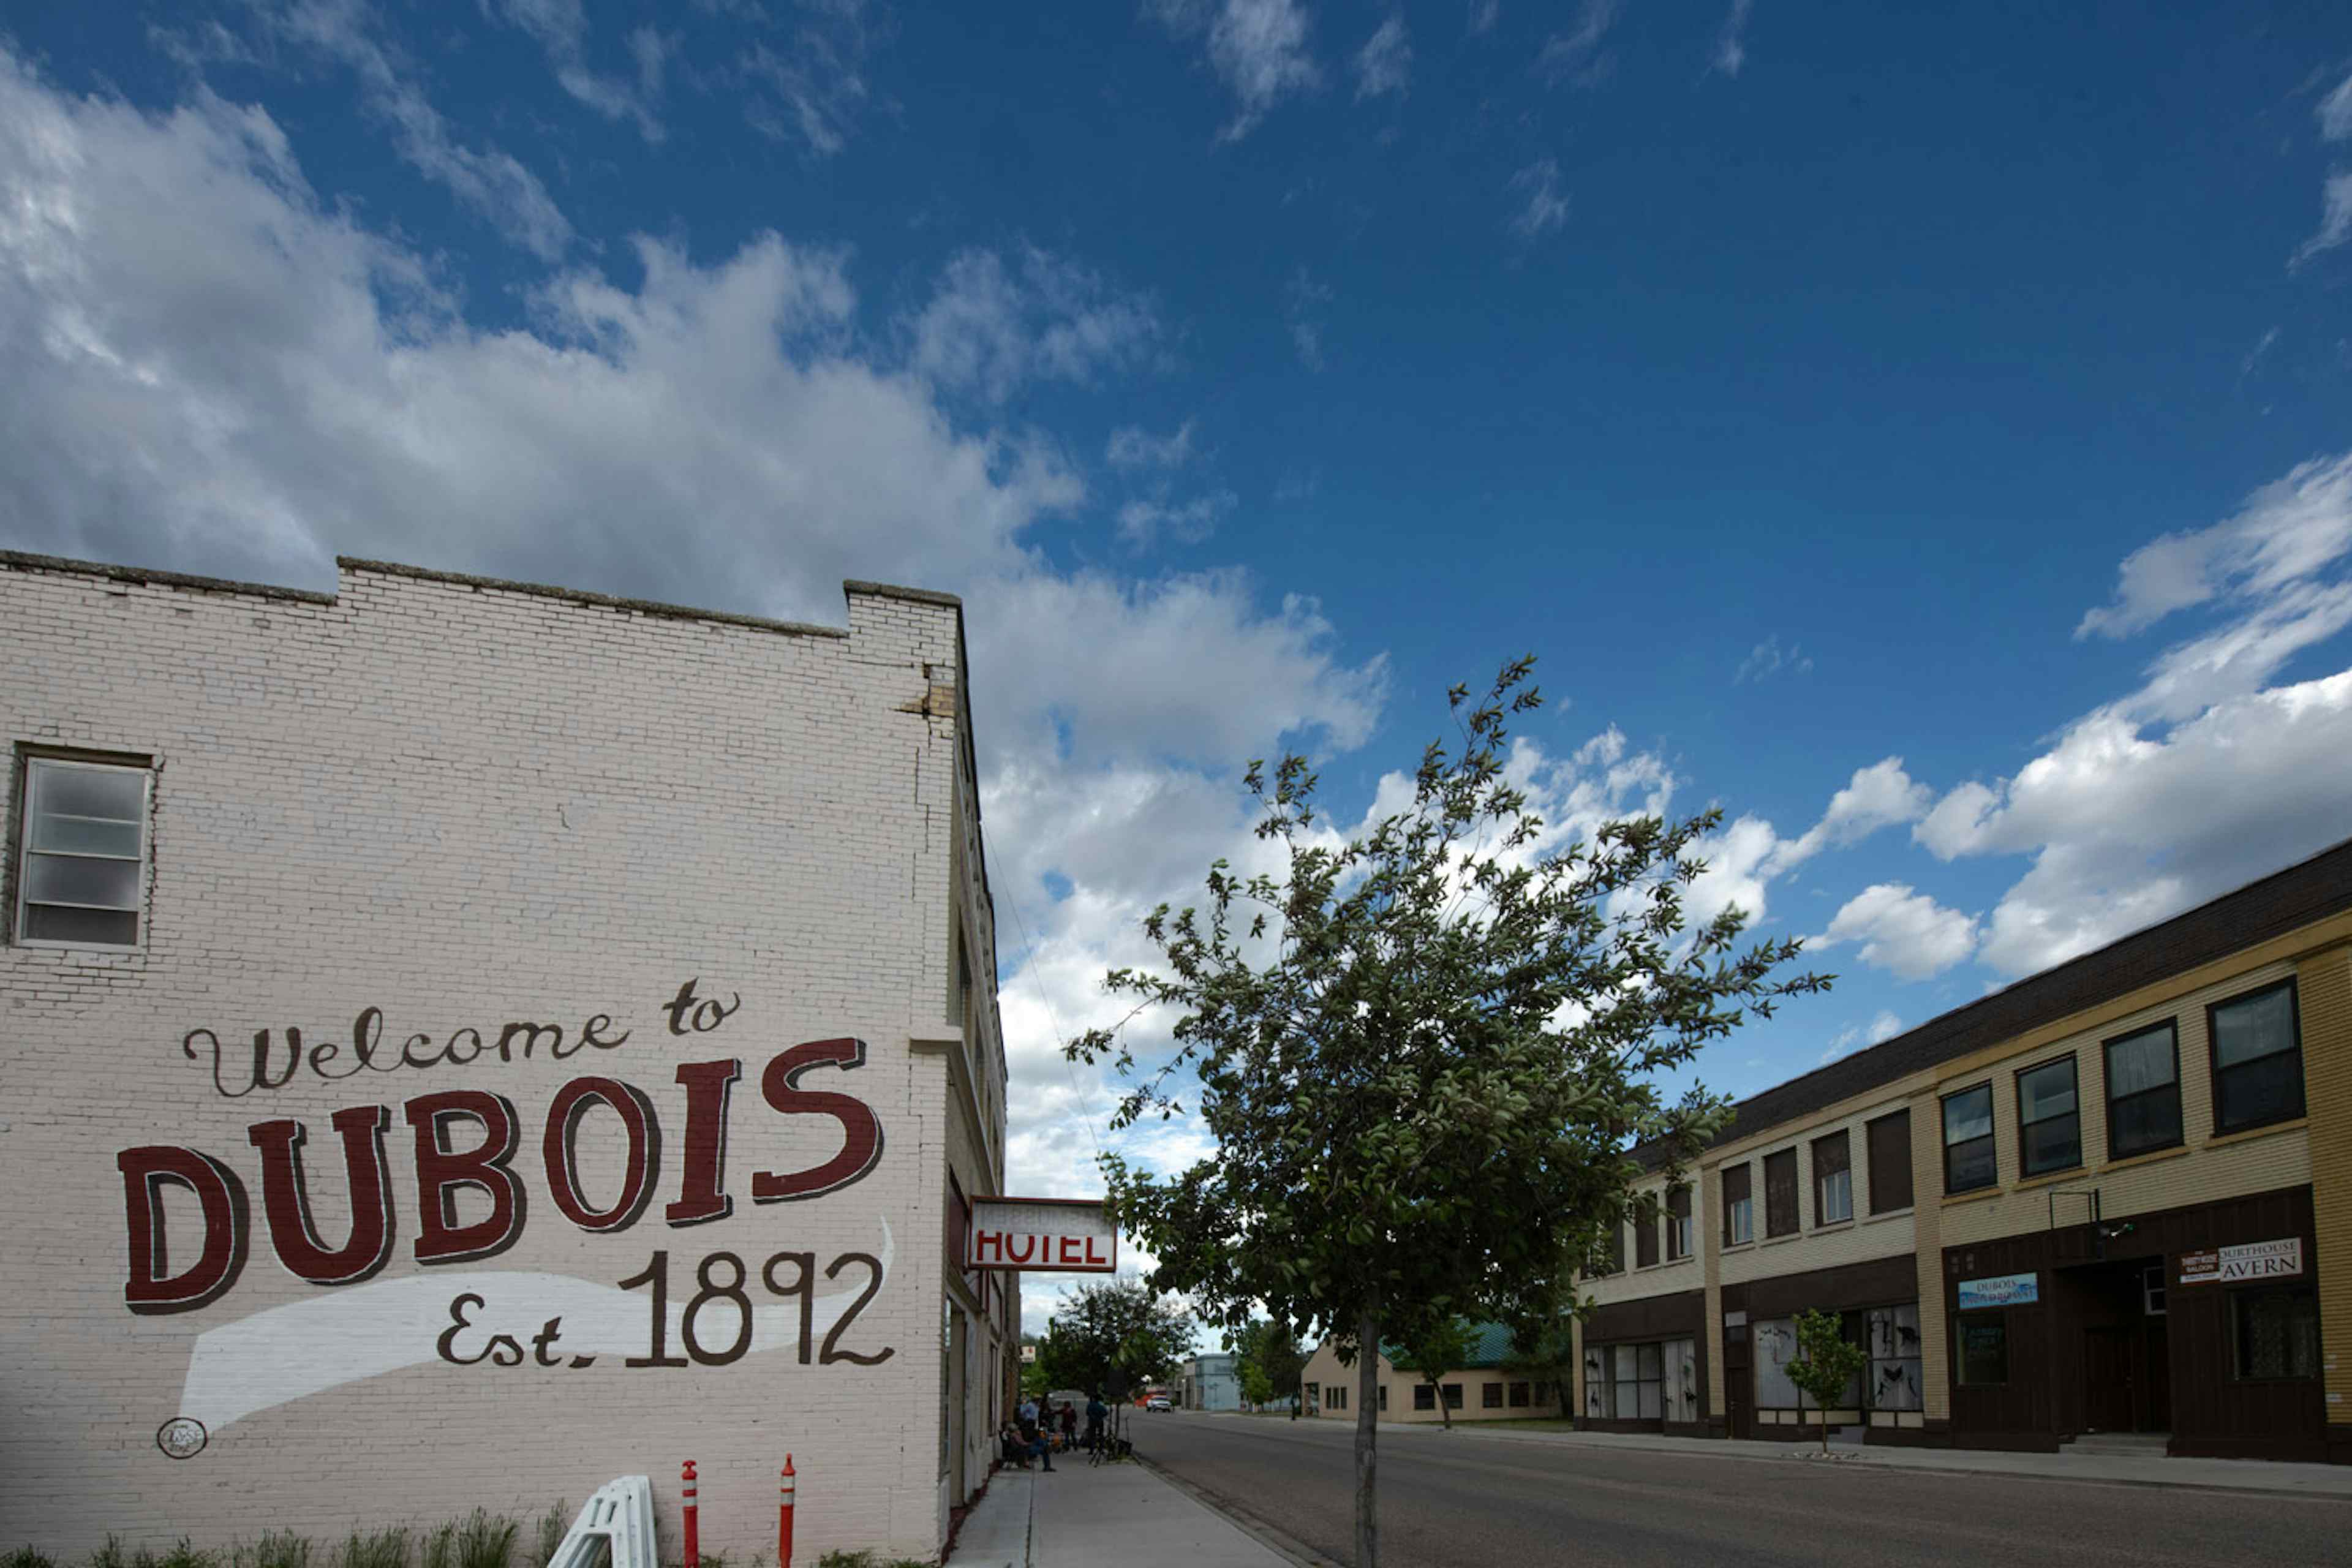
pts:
pixel 407 988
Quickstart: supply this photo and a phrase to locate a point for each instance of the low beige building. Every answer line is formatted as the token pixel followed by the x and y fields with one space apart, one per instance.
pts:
pixel 1487 1387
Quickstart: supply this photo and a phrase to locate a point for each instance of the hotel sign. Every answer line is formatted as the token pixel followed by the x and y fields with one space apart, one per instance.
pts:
pixel 1041 1234
pixel 2248 1260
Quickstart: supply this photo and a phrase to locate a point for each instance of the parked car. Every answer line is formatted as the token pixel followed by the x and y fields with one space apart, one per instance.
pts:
pixel 1158 1402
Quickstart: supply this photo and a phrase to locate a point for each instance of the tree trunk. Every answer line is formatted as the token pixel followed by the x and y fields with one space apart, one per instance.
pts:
pixel 1444 1411
pixel 1368 1399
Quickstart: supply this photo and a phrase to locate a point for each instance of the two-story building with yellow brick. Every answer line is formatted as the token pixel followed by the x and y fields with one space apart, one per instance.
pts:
pixel 2111 1202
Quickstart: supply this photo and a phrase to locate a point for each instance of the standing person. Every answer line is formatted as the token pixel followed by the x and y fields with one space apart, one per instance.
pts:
pixel 1031 1436
pixel 1069 1423
pixel 1096 1414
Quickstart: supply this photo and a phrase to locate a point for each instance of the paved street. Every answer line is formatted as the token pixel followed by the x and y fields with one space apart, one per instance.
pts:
pixel 1478 1502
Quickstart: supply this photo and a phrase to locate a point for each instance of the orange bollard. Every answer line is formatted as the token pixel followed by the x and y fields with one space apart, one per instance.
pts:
pixel 784 1516
pixel 693 1542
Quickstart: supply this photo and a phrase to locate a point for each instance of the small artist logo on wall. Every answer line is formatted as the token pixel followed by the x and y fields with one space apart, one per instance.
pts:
pixel 181 1438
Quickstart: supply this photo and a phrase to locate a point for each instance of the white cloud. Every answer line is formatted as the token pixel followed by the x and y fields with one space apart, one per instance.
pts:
pixel 1484 15
pixel 490 183
pixel 1257 47
pixel 561 29
pixel 1132 447
pixel 1142 521
pixel 2205 776
pixel 1385 62
pixel 1305 304
pixel 989 327
pixel 1767 658
pixel 811 88
pixel 2334 115
pixel 2287 532
pixel 1546 208
pixel 1880 795
pixel 1731 43
pixel 1885 1027
pixel 1906 933
pixel 1574 55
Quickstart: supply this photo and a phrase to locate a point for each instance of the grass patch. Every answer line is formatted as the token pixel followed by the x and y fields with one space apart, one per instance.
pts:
pixel 386 1548
pixel 553 1526
pixel 25 1557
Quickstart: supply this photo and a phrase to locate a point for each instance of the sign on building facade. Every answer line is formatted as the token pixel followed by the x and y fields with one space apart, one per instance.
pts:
pixel 542 1059
pixel 2001 1290
pixel 2249 1260
pixel 1042 1235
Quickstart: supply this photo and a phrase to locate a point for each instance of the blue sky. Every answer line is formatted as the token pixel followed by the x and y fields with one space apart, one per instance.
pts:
pixel 1921 432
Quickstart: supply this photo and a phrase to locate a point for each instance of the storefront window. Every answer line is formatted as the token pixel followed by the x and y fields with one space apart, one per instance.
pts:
pixel 1892 1337
pixel 2143 1091
pixel 2048 1120
pixel 1776 1347
pixel 2257 1059
pixel 2277 1332
pixel 1638 1378
pixel 1984 1351
pixel 1597 1404
pixel 1681 1360
pixel 1968 1161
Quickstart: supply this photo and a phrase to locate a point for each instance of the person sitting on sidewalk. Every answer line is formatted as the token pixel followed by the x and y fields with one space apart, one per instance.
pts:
pixel 1009 1446
pixel 1031 1436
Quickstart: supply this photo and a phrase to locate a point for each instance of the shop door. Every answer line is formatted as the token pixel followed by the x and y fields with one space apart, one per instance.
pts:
pixel 2110 1379
pixel 2158 1416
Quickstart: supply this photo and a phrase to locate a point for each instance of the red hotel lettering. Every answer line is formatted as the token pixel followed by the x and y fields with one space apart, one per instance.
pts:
pixel 861 1143
pixel 558 1151
pixel 439 1171
pixel 1069 1250
pixel 702 1191
pixel 285 1197
pixel 984 1242
pixel 153 1288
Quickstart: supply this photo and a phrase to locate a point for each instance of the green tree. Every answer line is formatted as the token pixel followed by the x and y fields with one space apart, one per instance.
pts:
pixel 1424 1052
pixel 1112 1326
pixel 1547 1359
pixel 1825 1365
pixel 1274 1352
pixel 1439 1348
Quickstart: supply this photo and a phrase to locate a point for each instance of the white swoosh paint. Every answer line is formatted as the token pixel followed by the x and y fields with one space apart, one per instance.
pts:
pixel 307 1347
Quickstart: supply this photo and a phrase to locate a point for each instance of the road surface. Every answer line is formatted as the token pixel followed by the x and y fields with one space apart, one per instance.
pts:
pixel 1459 1500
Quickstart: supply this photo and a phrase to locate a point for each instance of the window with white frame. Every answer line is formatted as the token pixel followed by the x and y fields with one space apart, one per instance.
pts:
pixel 82 853
pixel 1833 1179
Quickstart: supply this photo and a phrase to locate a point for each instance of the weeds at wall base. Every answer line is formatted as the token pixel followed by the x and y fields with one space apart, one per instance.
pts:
pixel 481 1540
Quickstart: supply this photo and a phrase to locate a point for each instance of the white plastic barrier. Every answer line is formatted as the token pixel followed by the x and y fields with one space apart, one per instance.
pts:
pixel 616 1529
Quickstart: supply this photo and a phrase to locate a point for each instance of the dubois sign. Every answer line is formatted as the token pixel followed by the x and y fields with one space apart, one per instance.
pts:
pixel 1064 1234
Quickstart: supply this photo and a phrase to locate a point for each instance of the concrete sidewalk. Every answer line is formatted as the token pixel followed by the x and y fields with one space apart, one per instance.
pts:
pixel 2111 1470
pixel 1082 1517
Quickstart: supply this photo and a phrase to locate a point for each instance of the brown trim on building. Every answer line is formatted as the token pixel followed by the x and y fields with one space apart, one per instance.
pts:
pixel 1681 1316
pixel 2089 1354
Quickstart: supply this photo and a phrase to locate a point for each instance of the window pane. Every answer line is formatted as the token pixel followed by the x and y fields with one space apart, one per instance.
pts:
pixel 2269 1089
pixel 2278 1333
pixel 96 928
pixel 1837 1197
pixel 2046 1091
pixel 2257 1026
pixel 2054 1144
pixel 1890 1162
pixel 1454 1396
pixel 1969 1166
pixel 2150 1121
pixel 114 793
pixel 1984 1351
pixel 1969 1115
pixel 1652 1401
pixel 68 879
pixel 86 836
pixel 1650 1362
pixel 2141 1061
pixel 1490 1396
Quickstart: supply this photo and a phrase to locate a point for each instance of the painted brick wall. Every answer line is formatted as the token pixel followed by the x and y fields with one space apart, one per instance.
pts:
pixel 2324 986
pixel 465 806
